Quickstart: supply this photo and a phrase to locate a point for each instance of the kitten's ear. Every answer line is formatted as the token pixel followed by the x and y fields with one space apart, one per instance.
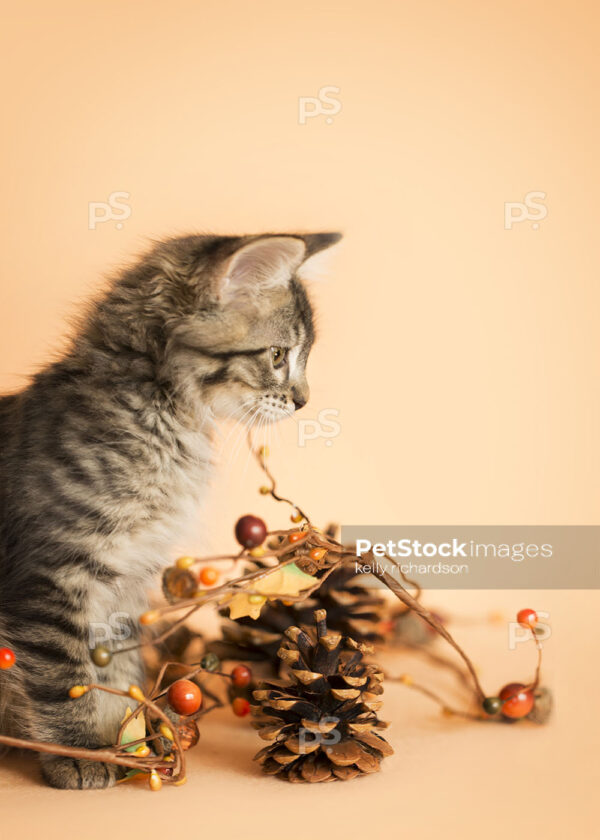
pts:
pixel 261 265
pixel 269 262
pixel 316 242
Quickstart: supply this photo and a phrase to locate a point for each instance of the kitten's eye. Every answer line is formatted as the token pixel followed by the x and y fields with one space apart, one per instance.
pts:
pixel 278 356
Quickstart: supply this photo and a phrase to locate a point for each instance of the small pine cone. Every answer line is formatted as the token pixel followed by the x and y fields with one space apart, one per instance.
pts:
pixel 187 730
pixel 409 629
pixel 322 719
pixel 178 584
pixel 542 708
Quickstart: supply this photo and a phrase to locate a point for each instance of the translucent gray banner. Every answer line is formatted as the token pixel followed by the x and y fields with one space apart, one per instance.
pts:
pixel 481 556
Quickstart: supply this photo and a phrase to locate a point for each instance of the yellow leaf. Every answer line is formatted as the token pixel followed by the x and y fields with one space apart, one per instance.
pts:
pixel 241 606
pixel 289 580
pixel 135 729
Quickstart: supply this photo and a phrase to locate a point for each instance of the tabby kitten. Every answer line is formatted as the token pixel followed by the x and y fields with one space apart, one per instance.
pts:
pixel 105 456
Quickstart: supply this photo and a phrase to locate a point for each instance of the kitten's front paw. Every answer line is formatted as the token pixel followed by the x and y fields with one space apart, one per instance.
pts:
pixel 74 774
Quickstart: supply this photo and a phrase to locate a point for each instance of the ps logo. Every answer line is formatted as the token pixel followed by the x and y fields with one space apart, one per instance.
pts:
pixel 111 210
pixel 325 426
pixel 314 106
pixel 529 209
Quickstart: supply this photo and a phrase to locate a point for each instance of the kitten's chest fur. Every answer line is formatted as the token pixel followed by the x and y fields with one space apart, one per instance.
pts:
pixel 160 513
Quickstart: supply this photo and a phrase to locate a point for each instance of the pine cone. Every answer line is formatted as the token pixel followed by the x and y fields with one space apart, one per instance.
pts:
pixel 351 610
pixel 542 709
pixel 321 720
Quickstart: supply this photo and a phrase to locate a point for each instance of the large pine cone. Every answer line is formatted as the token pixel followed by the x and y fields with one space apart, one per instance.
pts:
pixel 351 610
pixel 322 719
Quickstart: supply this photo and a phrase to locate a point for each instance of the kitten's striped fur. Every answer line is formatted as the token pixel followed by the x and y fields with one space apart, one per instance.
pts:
pixel 104 458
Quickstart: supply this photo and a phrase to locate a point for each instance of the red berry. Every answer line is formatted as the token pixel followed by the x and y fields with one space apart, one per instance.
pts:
pixel 184 697
pixel 517 700
pixel 7 659
pixel 240 706
pixel 527 618
pixel 250 531
pixel 241 676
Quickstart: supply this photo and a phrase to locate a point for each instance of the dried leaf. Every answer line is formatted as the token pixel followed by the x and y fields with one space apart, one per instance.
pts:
pixel 135 729
pixel 286 581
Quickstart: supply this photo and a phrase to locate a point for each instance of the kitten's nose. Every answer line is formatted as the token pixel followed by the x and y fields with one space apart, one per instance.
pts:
pixel 300 395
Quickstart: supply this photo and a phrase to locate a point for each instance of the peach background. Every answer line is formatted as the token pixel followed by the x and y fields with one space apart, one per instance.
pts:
pixel 462 357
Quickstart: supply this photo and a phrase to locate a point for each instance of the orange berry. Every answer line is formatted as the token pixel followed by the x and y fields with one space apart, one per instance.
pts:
pixel 136 693
pixel 241 676
pixel 149 617
pixel 517 700
pixel 209 576
pixel 527 618
pixel 184 697
pixel 240 706
pixel 317 553
pixel 7 658
pixel 78 691
pixel 296 536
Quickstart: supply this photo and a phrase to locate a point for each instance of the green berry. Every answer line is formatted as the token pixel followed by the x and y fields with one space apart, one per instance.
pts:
pixel 492 705
pixel 101 656
pixel 210 662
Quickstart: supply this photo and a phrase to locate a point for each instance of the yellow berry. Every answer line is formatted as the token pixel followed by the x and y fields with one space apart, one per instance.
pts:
pixel 149 617
pixel 136 693
pixel 184 562
pixel 143 750
pixel 166 731
pixel 155 781
pixel 78 691
pixel 264 491
pixel 296 517
pixel 258 551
